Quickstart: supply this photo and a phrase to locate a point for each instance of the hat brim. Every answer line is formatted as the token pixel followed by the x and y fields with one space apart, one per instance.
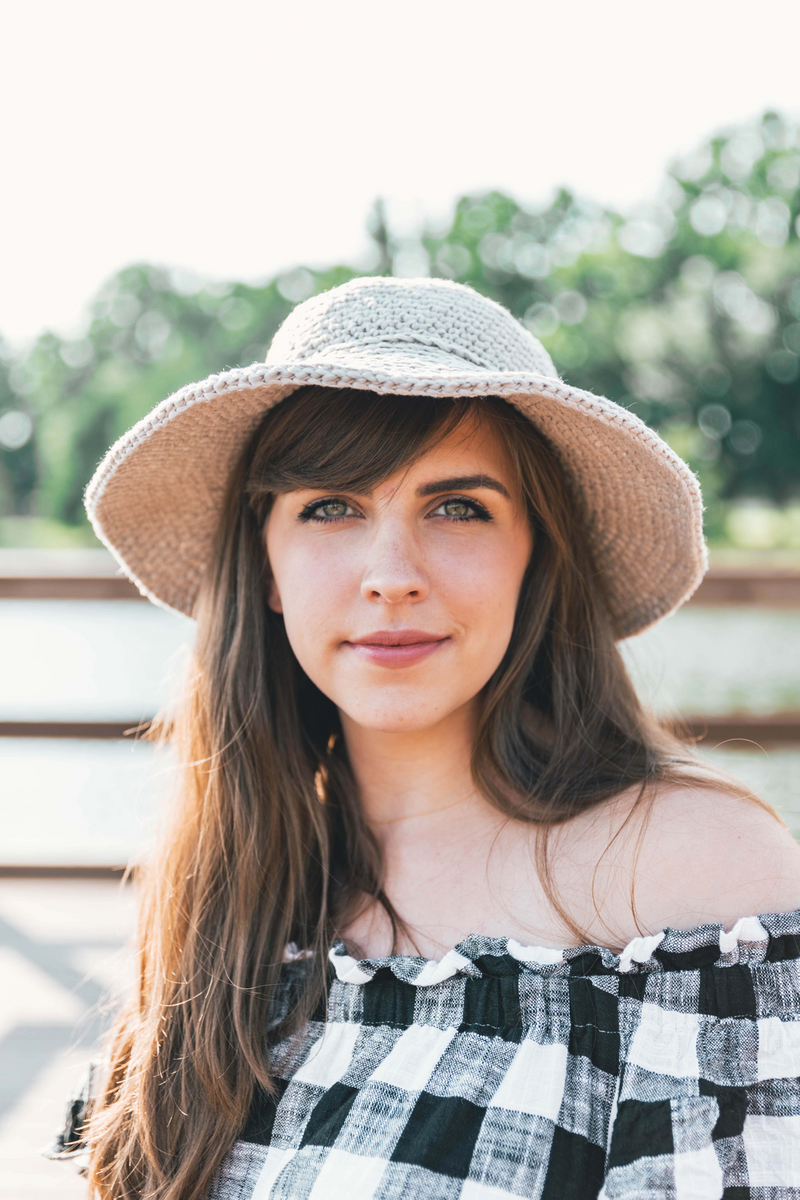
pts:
pixel 156 498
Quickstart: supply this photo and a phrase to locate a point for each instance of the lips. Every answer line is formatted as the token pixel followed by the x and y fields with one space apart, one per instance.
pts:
pixel 396 637
pixel 396 647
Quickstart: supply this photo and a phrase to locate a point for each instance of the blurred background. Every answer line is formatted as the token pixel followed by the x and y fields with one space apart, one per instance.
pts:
pixel 177 177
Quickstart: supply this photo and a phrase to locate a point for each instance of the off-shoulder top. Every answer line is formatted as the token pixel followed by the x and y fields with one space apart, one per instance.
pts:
pixel 671 1070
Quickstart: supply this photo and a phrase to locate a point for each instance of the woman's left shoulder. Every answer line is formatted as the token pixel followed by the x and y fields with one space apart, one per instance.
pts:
pixel 711 856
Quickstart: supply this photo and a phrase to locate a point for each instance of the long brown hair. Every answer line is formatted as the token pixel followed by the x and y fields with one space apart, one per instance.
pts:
pixel 253 861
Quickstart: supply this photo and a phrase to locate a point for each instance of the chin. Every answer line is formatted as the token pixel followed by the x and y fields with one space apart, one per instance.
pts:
pixel 408 717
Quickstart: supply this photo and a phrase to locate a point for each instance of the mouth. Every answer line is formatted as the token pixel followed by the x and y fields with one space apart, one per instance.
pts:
pixel 396 647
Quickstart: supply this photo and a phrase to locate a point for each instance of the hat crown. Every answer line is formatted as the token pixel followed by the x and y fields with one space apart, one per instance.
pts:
pixel 434 313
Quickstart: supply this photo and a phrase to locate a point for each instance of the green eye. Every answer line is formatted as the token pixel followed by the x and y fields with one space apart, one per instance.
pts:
pixel 333 508
pixel 457 508
pixel 327 510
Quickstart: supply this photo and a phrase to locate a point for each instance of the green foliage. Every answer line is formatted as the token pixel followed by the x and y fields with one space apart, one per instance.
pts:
pixel 686 311
pixel 151 331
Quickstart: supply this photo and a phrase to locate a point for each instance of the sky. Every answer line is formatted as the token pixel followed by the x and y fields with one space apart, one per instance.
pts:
pixel 237 139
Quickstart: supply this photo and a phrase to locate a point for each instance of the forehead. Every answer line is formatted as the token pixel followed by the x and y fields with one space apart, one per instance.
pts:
pixel 472 448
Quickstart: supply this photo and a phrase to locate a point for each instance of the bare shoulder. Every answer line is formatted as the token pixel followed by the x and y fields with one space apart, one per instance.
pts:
pixel 708 856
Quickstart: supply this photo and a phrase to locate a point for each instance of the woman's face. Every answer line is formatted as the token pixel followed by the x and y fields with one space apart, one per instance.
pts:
pixel 399 604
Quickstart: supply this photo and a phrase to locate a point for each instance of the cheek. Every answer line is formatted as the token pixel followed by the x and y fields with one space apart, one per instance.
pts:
pixel 480 584
pixel 315 587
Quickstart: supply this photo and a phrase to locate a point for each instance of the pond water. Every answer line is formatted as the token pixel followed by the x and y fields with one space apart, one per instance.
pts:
pixel 715 661
pixel 88 660
pixel 87 802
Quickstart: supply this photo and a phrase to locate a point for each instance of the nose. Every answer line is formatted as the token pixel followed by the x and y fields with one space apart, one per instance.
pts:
pixel 395 572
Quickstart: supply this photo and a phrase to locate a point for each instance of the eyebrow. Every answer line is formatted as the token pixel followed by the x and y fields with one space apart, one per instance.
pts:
pixel 463 483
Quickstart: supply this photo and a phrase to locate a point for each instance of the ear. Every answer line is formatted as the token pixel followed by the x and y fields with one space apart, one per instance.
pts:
pixel 273 596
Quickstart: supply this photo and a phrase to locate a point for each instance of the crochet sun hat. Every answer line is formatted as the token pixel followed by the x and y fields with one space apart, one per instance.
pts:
pixel 156 497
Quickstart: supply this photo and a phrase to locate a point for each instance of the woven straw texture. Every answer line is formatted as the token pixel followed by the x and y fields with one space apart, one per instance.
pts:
pixel 155 499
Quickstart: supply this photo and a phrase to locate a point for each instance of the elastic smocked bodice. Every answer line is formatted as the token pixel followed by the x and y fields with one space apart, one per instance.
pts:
pixel 752 940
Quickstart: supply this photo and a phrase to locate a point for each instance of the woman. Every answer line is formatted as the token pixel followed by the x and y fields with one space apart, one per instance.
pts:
pixel 442 912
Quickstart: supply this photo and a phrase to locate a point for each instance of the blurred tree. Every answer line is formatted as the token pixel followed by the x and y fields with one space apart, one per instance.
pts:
pixel 150 331
pixel 686 310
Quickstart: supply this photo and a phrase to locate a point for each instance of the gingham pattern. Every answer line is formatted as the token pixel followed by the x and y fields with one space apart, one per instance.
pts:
pixel 155 498
pixel 669 1072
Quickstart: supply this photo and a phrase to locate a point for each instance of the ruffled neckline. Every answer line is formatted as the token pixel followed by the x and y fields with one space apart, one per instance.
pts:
pixel 752 940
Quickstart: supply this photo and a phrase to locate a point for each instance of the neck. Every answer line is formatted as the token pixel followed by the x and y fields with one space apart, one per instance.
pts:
pixel 444 847
pixel 406 779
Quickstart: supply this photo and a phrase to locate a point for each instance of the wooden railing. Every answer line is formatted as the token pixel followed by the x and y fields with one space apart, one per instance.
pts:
pixel 771 729
pixel 109 871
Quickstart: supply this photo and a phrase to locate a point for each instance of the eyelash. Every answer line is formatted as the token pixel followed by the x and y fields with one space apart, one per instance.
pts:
pixel 309 513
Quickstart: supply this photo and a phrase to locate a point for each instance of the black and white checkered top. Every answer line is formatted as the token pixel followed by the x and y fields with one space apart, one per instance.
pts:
pixel 671 1070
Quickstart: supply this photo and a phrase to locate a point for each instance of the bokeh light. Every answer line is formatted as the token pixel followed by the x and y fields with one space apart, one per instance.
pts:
pixel 16 429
